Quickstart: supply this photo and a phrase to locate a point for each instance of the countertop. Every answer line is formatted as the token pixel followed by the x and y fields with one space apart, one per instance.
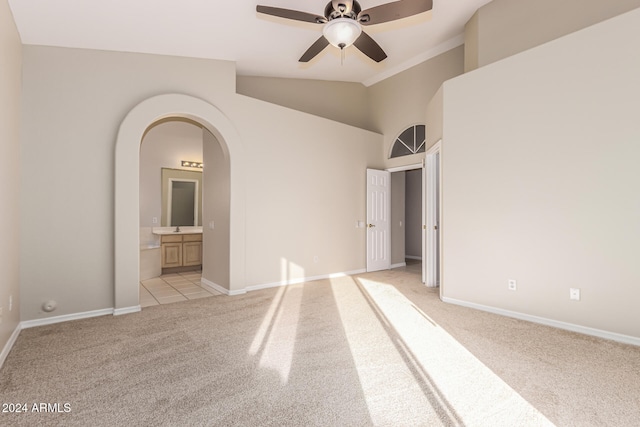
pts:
pixel 172 230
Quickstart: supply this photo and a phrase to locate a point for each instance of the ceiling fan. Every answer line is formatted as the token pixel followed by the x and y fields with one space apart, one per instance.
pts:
pixel 343 20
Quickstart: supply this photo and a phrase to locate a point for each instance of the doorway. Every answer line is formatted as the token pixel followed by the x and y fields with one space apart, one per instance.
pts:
pixel 171 176
pixel 127 193
pixel 413 217
pixel 407 215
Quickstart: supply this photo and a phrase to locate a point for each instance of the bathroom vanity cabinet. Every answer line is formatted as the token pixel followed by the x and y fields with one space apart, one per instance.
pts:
pixel 181 250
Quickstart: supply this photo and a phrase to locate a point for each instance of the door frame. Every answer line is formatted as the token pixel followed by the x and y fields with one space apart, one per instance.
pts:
pixel 432 267
pixel 410 167
pixel 127 190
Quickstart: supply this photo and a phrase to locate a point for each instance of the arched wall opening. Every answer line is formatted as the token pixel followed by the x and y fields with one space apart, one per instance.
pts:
pixel 127 190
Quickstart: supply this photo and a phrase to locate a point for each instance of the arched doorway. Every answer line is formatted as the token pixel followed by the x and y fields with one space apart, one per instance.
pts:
pixel 127 189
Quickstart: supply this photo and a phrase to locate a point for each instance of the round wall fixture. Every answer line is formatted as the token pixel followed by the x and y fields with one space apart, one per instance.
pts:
pixel 49 306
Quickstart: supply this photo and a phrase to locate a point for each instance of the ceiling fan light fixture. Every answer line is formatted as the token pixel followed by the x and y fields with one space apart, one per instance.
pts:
pixel 342 32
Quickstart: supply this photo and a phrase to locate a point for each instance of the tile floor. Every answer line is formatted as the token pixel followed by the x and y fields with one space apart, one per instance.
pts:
pixel 175 287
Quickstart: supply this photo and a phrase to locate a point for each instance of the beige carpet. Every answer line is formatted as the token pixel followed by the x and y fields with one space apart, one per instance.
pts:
pixel 375 349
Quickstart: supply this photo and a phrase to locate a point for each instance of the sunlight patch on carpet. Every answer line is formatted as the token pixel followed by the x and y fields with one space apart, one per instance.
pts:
pixel 275 340
pixel 259 339
pixel 472 391
pixel 392 394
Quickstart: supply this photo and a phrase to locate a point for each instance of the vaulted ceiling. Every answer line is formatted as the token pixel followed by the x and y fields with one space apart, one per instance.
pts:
pixel 232 30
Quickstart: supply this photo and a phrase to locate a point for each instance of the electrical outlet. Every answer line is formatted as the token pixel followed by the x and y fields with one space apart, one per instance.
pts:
pixel 154 220
pixel 513 285
pixel 574 294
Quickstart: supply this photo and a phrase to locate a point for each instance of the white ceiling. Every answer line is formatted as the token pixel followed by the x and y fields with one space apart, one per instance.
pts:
pixel 232 30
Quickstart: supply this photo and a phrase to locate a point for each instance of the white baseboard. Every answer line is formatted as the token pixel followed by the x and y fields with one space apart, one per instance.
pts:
pixel 26 324
pixel 626 339
pixel 9 345
pixel 303 280
pixel 398 265
pixel 419 258
pixel 126 310
pixel 217 288
pixel 65 318
pixel 209 285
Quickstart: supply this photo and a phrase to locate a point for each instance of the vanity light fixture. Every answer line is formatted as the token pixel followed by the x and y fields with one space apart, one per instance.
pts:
pixel 190 164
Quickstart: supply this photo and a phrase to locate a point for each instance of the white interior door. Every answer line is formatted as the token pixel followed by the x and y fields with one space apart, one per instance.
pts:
pixel 378 220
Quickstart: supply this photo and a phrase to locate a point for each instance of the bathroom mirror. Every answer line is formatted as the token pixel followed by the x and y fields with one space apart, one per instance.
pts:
pixel 181 198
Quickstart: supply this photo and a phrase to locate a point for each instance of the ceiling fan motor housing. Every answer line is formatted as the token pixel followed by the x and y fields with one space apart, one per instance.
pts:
pixel 339 9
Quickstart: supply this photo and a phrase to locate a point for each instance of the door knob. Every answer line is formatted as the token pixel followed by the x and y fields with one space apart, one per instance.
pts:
pixel 370 225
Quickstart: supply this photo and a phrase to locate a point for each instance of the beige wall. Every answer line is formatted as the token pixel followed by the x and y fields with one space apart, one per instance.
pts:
pixel 343 102
pixel 434 120
pixel 216 230
pixel 541 180
pixel 506 27
pixel 401 101
pixel 471 48
pixel 10 170
pixel 74 102
pixel 164 146
pixel 305 192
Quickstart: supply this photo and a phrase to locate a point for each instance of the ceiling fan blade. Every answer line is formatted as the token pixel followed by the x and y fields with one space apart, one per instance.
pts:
pixel 315 49
pixel 394 10
pixel 369 47
pixel 291 14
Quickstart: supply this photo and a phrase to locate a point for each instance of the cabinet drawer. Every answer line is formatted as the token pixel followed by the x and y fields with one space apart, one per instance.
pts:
pixel 192 237
pixel 172 238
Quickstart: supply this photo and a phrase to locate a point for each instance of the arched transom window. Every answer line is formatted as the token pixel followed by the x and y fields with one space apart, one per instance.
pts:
pixel 410 141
